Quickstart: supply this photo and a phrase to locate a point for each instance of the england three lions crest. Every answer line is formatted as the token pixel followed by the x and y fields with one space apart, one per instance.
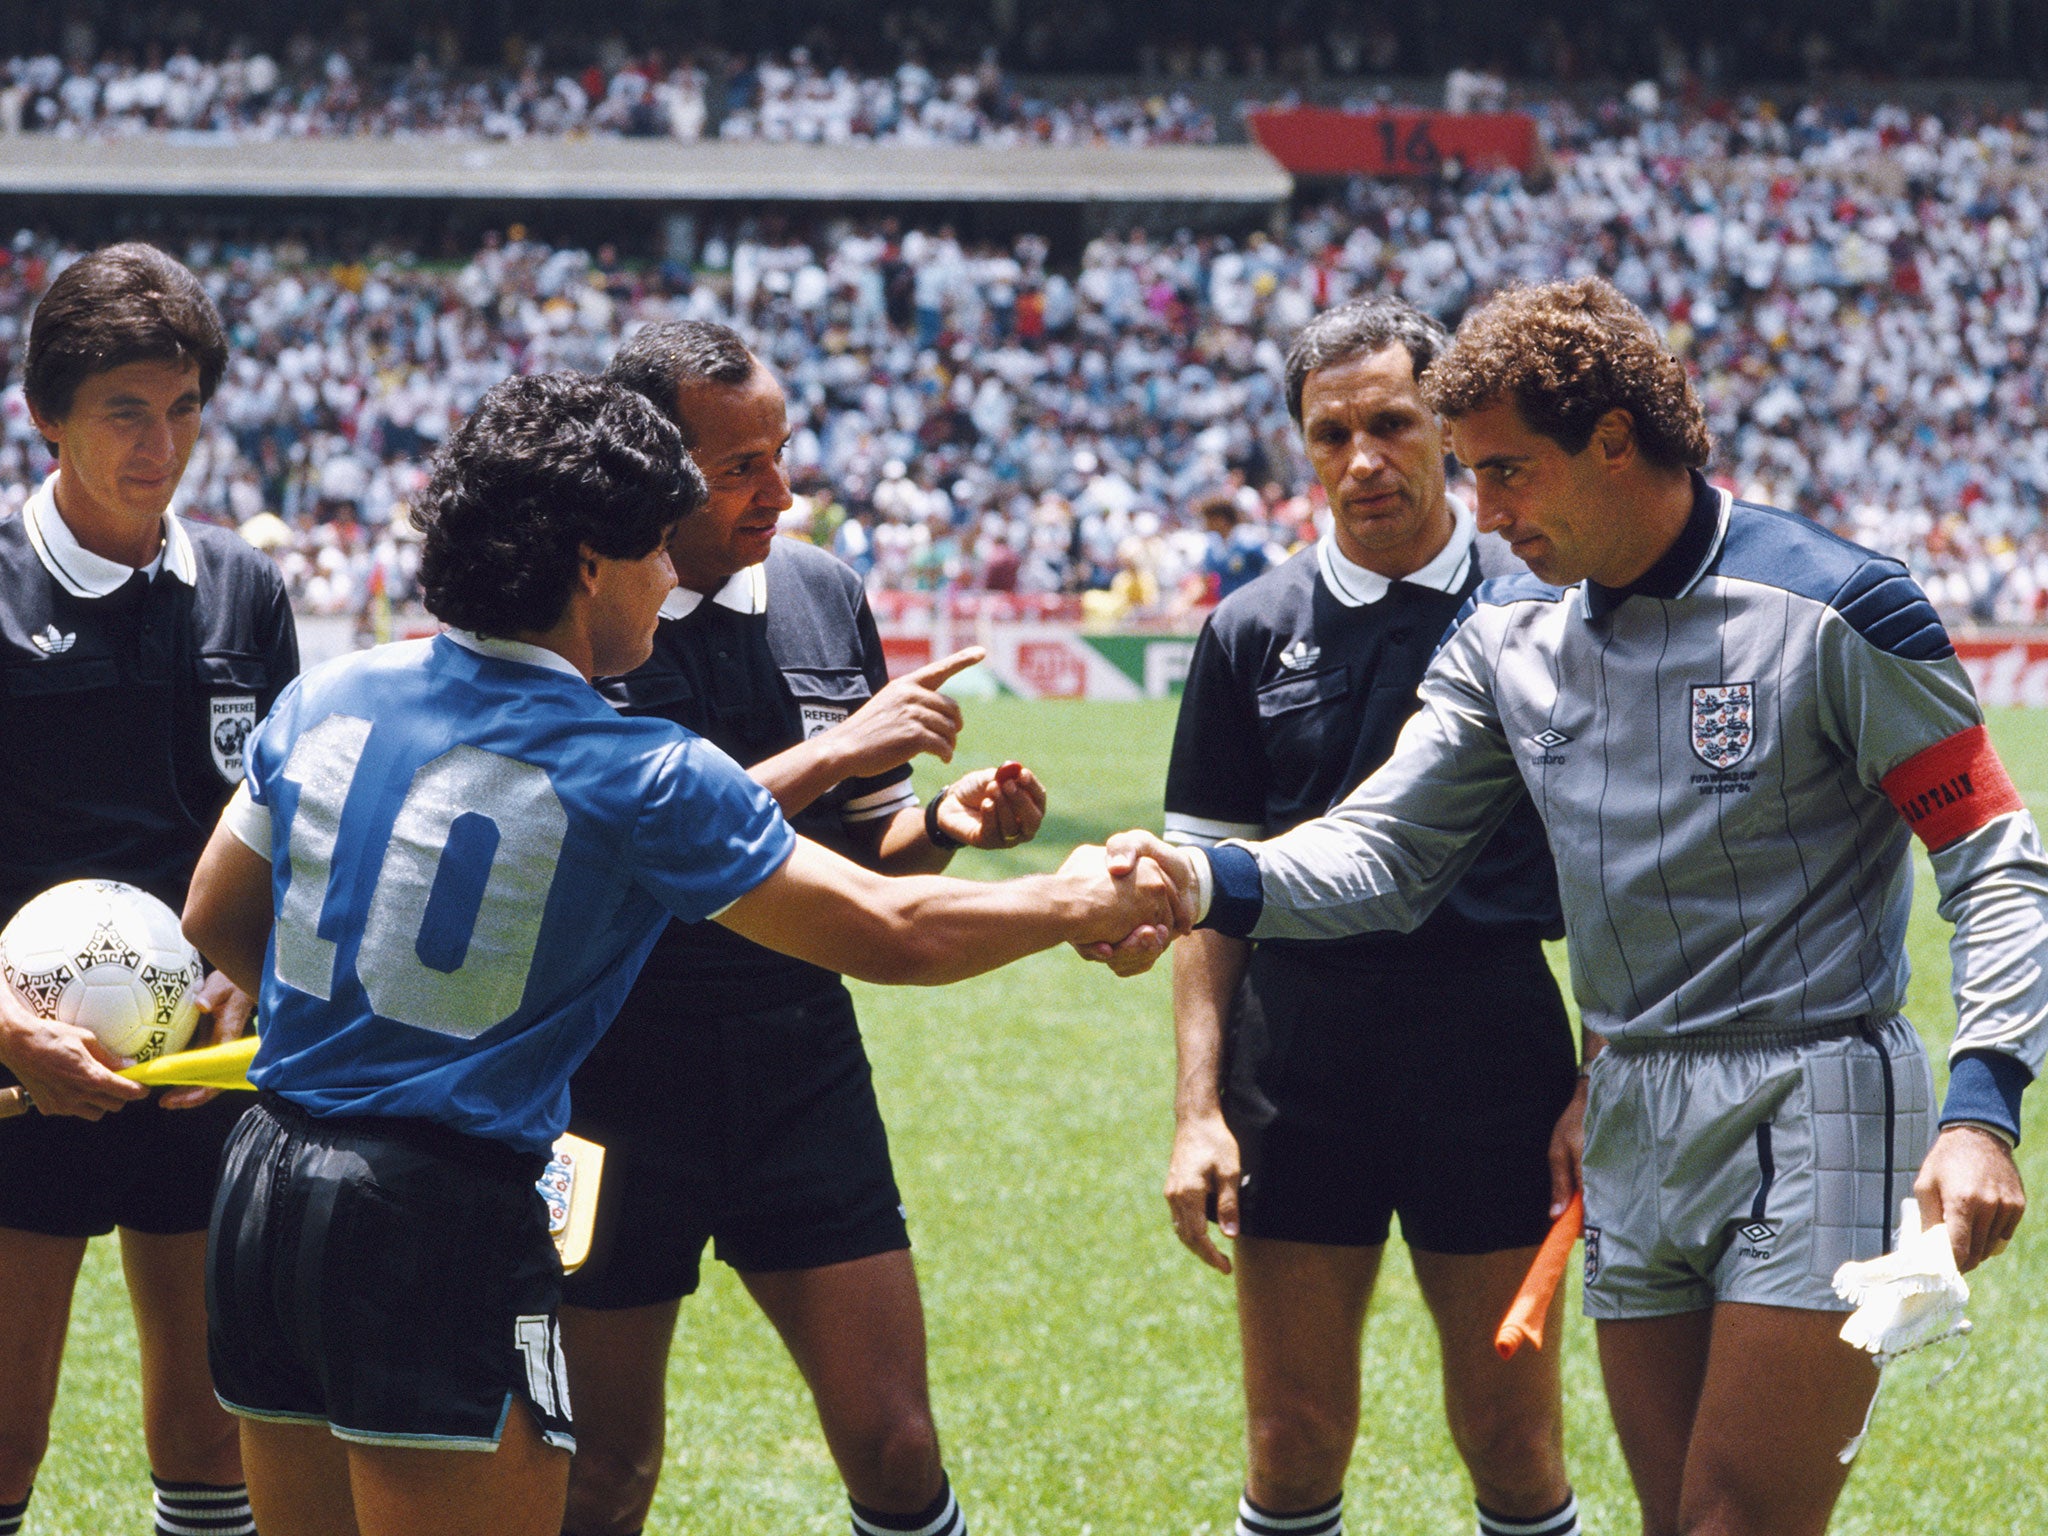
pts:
pixel 1723 722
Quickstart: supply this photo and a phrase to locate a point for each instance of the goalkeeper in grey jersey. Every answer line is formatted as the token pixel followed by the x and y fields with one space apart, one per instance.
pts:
pixel 1731 724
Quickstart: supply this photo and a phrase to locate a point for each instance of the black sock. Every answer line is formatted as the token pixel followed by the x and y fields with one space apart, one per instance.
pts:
pixel 941 1517
pixel 1561 1521
pixel 201 1509
pixel 1323 1520
pixel 10 1515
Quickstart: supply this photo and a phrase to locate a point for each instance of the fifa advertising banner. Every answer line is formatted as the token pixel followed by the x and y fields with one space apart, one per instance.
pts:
pixel 2005 672
pixel 1051 661
pixel 1324 141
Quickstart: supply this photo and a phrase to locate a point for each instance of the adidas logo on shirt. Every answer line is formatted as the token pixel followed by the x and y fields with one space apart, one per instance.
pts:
pixel 51 642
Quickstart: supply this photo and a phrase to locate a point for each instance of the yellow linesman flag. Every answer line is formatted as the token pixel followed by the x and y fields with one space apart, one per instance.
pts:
pixel 211 1066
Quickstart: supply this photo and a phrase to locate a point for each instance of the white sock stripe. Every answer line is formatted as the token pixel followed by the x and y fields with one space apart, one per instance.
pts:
pixel 1565 1522
pixel 202 1512
pixel 949 1523
pixel 235 1523
pixel 1327 1521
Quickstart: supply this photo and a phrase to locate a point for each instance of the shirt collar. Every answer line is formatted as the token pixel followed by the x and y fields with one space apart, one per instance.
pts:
pixel 1354 586
pixel 1680 567
pixel 746 591
pixel 81 572
pixel 513 650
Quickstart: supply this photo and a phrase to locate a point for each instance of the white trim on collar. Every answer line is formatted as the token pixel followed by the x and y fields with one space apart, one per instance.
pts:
pixel 513 650
pixel 746 591
pixel 81 572
pixel 1356 587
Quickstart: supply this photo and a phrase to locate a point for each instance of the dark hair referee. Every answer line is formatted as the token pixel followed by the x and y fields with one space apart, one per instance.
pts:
pixel 137 651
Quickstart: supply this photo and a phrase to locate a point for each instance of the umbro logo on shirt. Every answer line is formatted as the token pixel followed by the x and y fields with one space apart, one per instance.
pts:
pixel 1300 656
pixel 1548 739
pixel 51 642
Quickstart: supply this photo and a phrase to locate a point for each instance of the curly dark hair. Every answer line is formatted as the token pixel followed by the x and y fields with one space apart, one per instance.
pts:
pixel 659 359
pixel 122 304
pixel 1567 354
pixel 545 465
pixel 1360 328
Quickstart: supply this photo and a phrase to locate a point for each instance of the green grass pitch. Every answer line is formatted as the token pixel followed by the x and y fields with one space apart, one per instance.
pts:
pixel 1083 1365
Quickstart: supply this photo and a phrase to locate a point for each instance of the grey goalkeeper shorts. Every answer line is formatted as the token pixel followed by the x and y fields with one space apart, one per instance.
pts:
pixel 1748 1170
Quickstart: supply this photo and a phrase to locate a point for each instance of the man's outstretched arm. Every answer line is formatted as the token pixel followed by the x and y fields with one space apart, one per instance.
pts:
pixel 1381 859
pixel 928 929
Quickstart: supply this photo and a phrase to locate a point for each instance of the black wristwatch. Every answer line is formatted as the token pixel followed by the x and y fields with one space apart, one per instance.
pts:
pixel 937 835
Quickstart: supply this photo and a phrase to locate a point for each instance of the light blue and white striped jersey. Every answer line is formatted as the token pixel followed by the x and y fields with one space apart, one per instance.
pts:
pixel 1729 758
pixel 472 853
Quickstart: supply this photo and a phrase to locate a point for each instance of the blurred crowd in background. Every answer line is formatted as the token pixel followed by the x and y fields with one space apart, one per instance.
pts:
pixel 315 92
pixel 1860 297
pixel 806 97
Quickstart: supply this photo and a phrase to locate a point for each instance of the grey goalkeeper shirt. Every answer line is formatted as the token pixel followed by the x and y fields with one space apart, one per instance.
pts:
pixel 1729 759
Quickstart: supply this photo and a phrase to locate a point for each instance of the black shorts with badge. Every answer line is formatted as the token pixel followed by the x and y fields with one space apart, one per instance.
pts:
pixel 143 1167
pixel 1361 1087
pixel 758 1130
pixel 392 1279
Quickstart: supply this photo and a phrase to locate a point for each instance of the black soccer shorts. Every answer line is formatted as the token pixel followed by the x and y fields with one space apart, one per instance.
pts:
pixel 392 1279
pixel 759 1130
pixel 1359 1089
pixel 143 1167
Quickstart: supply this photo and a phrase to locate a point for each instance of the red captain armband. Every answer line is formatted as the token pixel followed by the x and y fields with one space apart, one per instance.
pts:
pixel 1952 788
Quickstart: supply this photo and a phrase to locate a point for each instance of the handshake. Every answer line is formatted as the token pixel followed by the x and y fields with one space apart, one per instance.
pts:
pixel 1140 894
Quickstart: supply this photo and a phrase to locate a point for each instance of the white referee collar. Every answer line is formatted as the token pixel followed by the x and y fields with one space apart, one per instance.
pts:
pixel 81 572
pixel 1355 587
pixel 513 650
pixel 746 592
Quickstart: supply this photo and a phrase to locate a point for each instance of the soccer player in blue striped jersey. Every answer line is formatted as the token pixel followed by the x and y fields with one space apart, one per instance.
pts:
pixel 450 860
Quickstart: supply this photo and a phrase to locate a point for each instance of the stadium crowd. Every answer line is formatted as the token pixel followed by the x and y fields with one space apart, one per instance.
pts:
pixel 1870 350
pixel 317 92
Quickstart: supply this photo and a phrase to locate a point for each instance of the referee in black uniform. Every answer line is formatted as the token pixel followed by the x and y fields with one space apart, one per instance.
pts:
pixel 1310 1108
pixel 136 653
pixel 733 1095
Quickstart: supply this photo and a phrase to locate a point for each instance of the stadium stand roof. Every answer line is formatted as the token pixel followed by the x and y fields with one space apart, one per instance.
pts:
pixel 643 170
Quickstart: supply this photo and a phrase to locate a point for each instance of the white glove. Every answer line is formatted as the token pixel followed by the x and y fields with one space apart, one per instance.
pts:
pixel 1905 1300
pixel 1908 1299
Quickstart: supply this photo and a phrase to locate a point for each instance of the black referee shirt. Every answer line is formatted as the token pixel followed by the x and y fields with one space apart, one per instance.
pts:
pixel 1294 696
pixel 125 700
pixel 783 651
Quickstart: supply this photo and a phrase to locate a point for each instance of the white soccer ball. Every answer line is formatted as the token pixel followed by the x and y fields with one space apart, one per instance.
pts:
pixel 107 957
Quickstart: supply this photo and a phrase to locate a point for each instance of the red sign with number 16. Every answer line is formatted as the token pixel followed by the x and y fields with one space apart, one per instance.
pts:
pixel 1322 141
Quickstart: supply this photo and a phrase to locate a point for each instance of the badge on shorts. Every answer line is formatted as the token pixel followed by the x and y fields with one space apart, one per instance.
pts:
pixel 820 718
pixel 1592 1254
pixel 1757 1236
pixel 234 717
pixel 1723 722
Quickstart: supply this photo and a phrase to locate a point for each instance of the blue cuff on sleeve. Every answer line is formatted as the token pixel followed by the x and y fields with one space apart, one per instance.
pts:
pixel 1986 1086
pixel 1239 897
